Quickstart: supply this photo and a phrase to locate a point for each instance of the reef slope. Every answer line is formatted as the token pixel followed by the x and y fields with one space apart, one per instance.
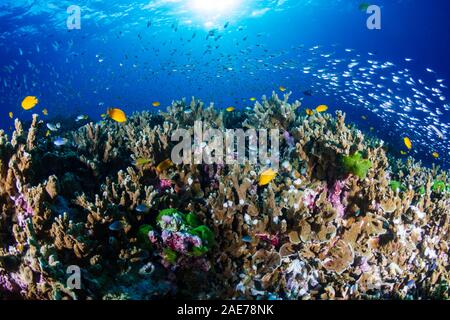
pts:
pixel 339 221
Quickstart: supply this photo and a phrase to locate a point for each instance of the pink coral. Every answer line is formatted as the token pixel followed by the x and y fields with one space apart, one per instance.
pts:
pixel 178 241
pixel 364 265
pixel 289 139
pixel 5 283
pixel 273 239
pixel 12 283
pixel 166 219
pixel 25 210
pixel 335 195
pixel 165 183
pixel 153 236
pixel 309 198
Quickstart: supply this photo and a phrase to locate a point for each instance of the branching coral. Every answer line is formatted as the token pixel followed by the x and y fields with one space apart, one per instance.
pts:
pixel 273 113
pixel 339 220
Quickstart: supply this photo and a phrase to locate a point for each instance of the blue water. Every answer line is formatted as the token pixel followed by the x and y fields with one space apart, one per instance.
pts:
pixel 128 54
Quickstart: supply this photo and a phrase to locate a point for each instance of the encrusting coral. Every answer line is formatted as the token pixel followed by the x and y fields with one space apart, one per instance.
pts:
pixel 338 221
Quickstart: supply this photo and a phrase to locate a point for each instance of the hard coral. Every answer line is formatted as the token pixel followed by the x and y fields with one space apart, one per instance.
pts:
pixel 313 233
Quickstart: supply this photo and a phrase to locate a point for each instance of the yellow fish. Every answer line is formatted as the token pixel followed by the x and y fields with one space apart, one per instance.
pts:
pixel 156 104
pixel 117 115
pixel 282 89
pixel 141 162
pixel 408 143
pixel 103 115
pixel 403 152
pixel 436 155
pixel 47 133
pixel 252 99
pixel 166 164
pixel 29 102
pixel 45 112
pixel 322 108
pixel 11 115
pixel 230 109
pixel 20 247
pixel 309 112
pixel 266 177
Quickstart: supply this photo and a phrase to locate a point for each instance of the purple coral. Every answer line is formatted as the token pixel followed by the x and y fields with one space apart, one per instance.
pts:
pixel 364 264
pixel 335 195
pixel 289 139
pixel 12 283
pixel 273 239
pixel 167 219
pixel 165 184
pixel 25 210
pixel 5 284
pixel 175 239
pixel 309 198
pixel 153 236
pixel 180 241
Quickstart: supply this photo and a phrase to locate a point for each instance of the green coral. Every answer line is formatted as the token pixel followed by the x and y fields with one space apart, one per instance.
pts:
pixel 166 212
pixel 192 220
pixel 142 235
pixel 421 190
pixel 356 165
pixel 438 186
pixel 397 186
pixel 170 255
pixel 187 223
pixel 204 233
pixel 199 251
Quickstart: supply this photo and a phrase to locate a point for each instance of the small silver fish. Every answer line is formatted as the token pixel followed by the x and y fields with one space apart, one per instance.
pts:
pixel 81 118
pixel 60 141
pixel 147 269
pixel 52 127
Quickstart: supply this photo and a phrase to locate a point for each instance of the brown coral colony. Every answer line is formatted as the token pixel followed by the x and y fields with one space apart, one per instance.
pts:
pixel 317 231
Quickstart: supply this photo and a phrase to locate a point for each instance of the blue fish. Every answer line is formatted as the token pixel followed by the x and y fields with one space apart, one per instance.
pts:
pixel 116 226
pixel 60 141
pixel 142 208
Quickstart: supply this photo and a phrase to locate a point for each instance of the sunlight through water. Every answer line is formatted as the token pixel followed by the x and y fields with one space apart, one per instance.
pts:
pixel 212 11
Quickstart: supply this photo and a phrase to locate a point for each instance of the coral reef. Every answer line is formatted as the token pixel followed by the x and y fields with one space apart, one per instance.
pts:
pixel 339 221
